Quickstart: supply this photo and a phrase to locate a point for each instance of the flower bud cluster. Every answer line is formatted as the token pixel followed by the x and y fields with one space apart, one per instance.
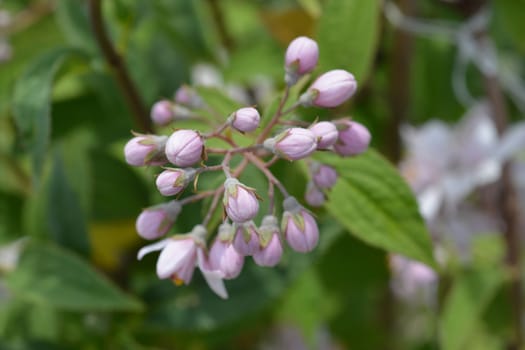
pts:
pixel 183 157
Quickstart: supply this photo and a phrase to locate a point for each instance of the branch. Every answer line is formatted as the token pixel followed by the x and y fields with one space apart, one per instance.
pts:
pixel 118 66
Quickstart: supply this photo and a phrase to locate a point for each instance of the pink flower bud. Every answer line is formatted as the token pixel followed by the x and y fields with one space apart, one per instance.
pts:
pixel 223 256
pixel 301 58
pixel 299 227
pixel 354 138
pixel 145 150
pixel 292 144
pixel 172 181
pixel 270 249
pixel 314 196
pixel 162 112
pixel 187 96
pixel 184 147
pixel 156 221
pixel 326 134
pixel 183 95
pixel 245 119
pixel 324 176
pixel 330 89
pixel 240 201
pixel 246 241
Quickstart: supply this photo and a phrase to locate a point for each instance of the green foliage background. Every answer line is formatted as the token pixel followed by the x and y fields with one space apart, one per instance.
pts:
pixel 65 186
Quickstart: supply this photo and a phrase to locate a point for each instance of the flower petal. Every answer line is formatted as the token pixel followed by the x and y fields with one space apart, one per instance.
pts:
pixel 212 277
pixel 176 255
pixel 152 248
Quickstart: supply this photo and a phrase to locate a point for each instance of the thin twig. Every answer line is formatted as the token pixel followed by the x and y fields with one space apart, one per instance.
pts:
pixel 275 119
pixel 118 66
pixel 271 178
pixel 196 197
pixel 399 94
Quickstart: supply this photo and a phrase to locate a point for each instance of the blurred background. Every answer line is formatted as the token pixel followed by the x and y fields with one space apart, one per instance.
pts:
pixel 441 88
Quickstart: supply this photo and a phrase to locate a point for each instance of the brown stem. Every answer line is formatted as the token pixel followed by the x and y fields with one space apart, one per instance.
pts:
pixel 509 212
pixel 275 119
pixel 118 66
pixel 399 86
pixel 220 23
pixel 196 197
pixel 269 175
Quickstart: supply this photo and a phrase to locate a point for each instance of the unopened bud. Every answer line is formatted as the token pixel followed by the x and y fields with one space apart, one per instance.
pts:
pixel 301 57
pixel 187 96
pixel 240 201
pixel 330 89
pixel 354 138
pixel 299 226
pixel 184 147
pixel 245 119
pixel 225 258
pixel 326 134
pixel 292 144
pixel 314 196
pixel 145 150
pixel 323 176
pixel 162 112
pixel 156 221
pixel 172 181
pixel 246 241
pixel 270 249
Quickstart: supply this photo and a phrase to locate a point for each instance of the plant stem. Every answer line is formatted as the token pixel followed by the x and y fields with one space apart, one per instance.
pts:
pixel 235 150
pixel 196 197
pixel 509 212
pixel 399 87
pixel 118 66
pixel 262 167
pixel 275 119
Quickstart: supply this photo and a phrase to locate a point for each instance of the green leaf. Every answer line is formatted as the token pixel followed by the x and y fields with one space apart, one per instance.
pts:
pixel 118 191
pixel 31 103
pixel 375 204
pixel 467 301
pixel 47 274
pixel 67 224
pixel 348 33
pixel 10 216
pixel 509 14
pixel 358 292
pixel 73 20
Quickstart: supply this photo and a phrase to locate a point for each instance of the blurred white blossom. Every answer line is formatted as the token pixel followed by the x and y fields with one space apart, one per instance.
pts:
pixel 445 164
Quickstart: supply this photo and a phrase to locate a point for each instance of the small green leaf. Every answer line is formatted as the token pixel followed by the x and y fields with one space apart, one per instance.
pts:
pixel 31 103
pixel 468 299
pixel 67 224
pixel 49 275
pixel 348 34
pixel 376 205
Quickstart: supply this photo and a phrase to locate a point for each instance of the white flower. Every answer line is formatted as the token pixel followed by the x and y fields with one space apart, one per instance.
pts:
pixel 445 164
pixel 180 255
